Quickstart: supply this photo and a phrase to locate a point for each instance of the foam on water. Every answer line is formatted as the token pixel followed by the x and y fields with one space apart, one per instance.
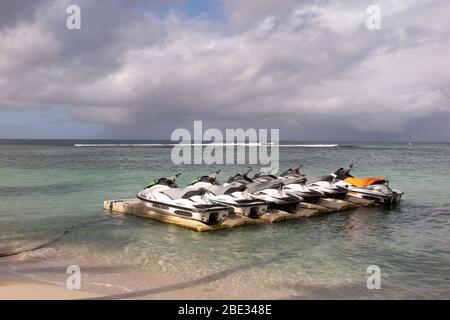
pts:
pixel 149 145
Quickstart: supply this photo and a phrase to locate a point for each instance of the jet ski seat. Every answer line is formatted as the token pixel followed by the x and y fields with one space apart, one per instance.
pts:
pixel 258 186
pixel 321 178
pixel 182 193
pixel 364 182
pixel 264 176
pixel 294 180
pixel 229 189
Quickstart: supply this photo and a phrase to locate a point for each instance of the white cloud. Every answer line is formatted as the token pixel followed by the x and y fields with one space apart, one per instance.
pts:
pixel 268 61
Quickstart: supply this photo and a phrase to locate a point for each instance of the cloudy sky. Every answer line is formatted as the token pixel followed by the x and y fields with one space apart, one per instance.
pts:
pixel 139 69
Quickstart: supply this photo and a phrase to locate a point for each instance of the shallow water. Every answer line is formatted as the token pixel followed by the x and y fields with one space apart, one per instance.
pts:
pixel 47 187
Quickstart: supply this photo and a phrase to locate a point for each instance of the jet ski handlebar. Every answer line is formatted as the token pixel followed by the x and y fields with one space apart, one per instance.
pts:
pixel 293 171
pixel 262 175
pixel 214 174
pixel 169 181
pixel 174 177
pixel 241 176
pixel 212 178
pixel 342 173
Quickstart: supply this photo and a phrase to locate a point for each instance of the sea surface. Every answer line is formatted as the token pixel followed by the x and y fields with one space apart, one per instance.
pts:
pixel 53 190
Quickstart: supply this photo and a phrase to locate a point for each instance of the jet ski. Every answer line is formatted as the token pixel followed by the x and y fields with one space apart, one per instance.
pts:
pixel 164 196
pixel 294 183
pixel 326 185
pixel 233 195
pixel 269 191
pixel 371 188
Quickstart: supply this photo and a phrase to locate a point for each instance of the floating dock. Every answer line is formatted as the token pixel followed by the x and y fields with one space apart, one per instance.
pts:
pixel 305 210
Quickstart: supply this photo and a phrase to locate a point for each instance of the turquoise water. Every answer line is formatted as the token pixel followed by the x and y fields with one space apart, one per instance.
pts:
pixel 47 187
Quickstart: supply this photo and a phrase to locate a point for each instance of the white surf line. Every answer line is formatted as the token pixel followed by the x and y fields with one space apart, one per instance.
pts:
pixel 12 268
pixel 166 144
pixel 208 144
pixel 125 145
pixel 308 145
pixel 109 285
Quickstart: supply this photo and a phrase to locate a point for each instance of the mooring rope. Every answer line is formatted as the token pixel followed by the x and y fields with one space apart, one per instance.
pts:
pixel 43 245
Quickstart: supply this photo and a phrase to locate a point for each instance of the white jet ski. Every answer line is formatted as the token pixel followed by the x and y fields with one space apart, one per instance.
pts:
pixel 370 188
pixel 295 183
pixel 327 186
pixel 164 196
pixel 269 191
pixel 233 195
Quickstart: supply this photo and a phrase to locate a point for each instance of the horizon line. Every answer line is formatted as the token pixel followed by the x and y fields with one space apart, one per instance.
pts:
pixel 286 140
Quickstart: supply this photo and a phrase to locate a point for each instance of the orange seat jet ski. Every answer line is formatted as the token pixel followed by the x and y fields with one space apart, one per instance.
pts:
pixel 365 182
pixel 370 188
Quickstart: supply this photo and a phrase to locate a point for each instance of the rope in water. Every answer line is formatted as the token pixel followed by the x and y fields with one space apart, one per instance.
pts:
pixel 43 245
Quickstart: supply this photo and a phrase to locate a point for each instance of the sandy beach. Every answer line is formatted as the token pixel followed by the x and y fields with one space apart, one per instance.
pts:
pixel 22 289
pixel 17 287
pixel 41 275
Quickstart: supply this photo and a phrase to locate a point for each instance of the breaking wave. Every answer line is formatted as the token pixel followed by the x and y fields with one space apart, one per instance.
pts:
pixel 162 145
pixel 115 145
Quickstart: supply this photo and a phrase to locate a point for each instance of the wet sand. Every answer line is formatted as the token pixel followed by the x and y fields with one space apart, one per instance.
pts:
pixel 41 275
pixel 20 289
pixel 16 287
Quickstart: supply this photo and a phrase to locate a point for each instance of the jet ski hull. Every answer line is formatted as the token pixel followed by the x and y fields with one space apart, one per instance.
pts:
pixel 307 196
pixel 336 195
pixel 288 203
pixel 380 193
pixel 232 195
pixel 287 207
pixel 369 188
pixel 331 193
pixel 378 198
pixel 208 214
pixel 250 210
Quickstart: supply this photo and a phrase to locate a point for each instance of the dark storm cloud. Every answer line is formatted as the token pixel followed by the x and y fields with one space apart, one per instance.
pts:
pixel 308 68
pixel 13 12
